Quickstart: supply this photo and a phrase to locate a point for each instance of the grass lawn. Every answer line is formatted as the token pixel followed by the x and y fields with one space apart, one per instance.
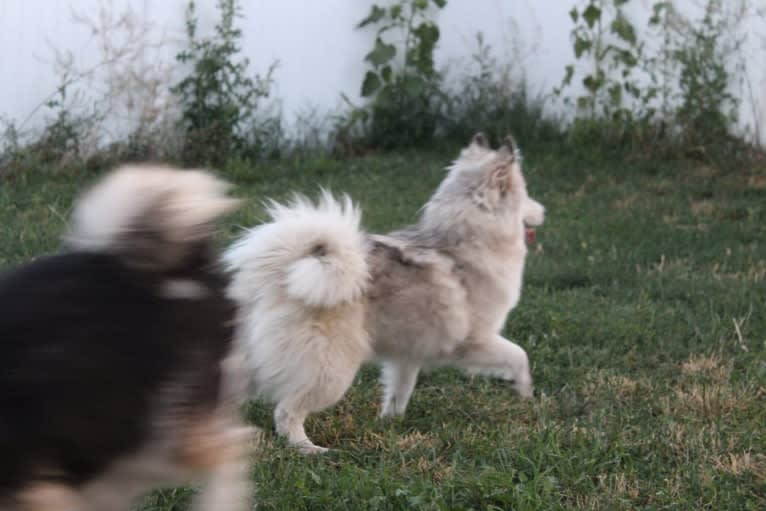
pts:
pixel 643 313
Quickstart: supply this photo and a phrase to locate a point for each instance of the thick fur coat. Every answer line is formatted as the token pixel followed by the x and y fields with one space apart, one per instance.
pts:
pixel 435 293
pixel 115 372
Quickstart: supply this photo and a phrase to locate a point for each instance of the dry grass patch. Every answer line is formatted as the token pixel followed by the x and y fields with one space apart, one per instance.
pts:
pixel 707 365
pixel 369 441
pixel 712 400
pixel 626 485
pixel 618 387
pixel 755 273
pixel 614 491
pixel 741 463
pixel 434 466
pixel 437 468
pixel 706 391
pixel 416 440
pixel 683 438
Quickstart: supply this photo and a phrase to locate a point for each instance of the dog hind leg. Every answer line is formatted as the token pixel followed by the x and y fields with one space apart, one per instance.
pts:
pixel 289 417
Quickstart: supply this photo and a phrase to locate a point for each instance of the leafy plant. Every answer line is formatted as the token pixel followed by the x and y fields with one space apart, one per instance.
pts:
pixel 66 137
pixel 492 95
pixel 69 135
pixel 61 136
pixel 675 94
pixel 220 100
pixel 605 38
pixel 401 83
pixel 10 145
pixel 707 107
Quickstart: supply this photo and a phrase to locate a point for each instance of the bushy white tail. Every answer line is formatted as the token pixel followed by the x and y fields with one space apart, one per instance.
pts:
pixel 150 216
pixel 314 251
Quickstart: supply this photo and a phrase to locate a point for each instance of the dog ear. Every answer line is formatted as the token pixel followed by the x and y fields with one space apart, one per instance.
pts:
pixel 501 177
pixel 510 148
pixel 480 139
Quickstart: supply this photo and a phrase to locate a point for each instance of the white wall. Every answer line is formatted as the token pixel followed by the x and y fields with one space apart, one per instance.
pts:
pixel 319 52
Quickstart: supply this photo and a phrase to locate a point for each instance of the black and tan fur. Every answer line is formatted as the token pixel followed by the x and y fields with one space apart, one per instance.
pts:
pixel 115 366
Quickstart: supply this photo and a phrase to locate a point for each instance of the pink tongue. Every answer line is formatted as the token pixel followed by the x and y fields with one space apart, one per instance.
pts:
pixel 531 236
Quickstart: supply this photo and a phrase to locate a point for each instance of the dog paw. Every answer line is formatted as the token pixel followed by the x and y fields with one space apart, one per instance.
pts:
pixel 390 412
pixel 525 390
pixel 311 449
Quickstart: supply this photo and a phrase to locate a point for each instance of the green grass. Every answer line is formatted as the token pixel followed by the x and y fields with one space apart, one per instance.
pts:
pixel 642 312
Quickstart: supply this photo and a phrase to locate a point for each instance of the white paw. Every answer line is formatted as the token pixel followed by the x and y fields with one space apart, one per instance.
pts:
pixel 525 390
pixel 310 449
pixel 390 411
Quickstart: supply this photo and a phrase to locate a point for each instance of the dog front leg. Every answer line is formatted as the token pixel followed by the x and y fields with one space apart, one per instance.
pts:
pixel 500 358
pixel 219 448
pixel 399 380
pixel 227 488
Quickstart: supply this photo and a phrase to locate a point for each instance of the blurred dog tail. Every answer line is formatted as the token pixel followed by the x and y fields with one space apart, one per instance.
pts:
pixel 315 252
pixel 151 217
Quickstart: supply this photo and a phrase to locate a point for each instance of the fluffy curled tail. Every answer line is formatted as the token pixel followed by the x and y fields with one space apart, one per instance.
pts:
pixel 314 251
pixel 153 217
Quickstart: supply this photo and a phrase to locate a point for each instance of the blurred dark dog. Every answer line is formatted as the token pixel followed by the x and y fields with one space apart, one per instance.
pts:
pixel 115 367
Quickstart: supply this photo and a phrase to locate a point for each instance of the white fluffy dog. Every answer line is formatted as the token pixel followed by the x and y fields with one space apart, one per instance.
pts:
pixel 300 283
pixel 318 297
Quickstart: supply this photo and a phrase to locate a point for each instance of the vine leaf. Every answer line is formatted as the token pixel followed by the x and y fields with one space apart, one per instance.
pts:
pixel 376 14
pixel 581 46
pixel 591 14
pixel 624 29
pixel 381 54
pixel 370 84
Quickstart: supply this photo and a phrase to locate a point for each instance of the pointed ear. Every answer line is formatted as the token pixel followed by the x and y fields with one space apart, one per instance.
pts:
pixel 510 148
pixel 500 178
pixel 510 143
pixel 480 139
